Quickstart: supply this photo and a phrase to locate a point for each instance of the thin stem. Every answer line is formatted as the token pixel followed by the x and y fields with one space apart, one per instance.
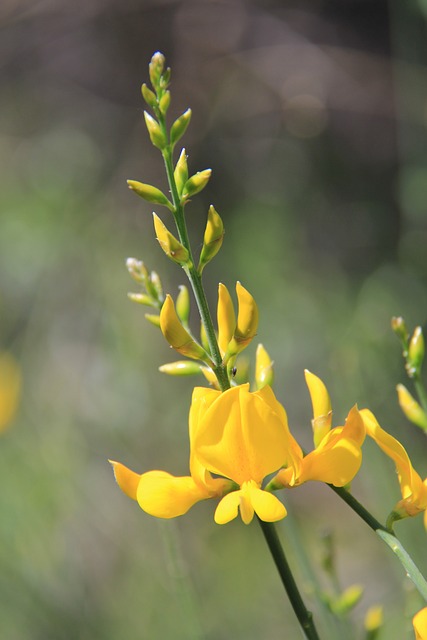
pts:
pixel 421 392
pixel 388 537
pixel 304 616
pixel 192 273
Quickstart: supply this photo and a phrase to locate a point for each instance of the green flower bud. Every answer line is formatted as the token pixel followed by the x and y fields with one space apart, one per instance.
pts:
pixel 179 127
pixel 415 353
pixel 170 245
pixel 347 600
pixel 183 304
pixel 410 407
pixel 156 134
pixel 154 286
pixel 149 96
pixel 150 193
pixel 153 319
pixel 212 241
pixel 164 102
pixel 196 183
pixel 177 336
pixel 142 298
pixel 399 327
pixel 181 172
pixel 137 269
pixel 263 368
pixel 181 368
pixel 155 68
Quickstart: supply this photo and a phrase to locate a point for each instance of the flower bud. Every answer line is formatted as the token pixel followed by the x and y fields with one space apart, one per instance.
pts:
pixel 149 96
pixel 164 102
pixel 196 183
pixel 179 127
pixel 411 408
pixel 347 600
pixel 181 172
pixel 212 241
pixel 156 134
pixel 170 245
pixel 141 298
pixel 137 269
pixel 373 621
pixel 181 368
pixel 150 193
pixel 415 353
pixel 154 286
pixel 322 410
pixel 226 318
pixel 10 388
pixel 183 304
pixel 156 67
pixel 176 335
pixel 153 319
pixel 263 368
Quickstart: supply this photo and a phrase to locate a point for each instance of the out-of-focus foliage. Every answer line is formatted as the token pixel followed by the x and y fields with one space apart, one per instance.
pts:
pixel 313 118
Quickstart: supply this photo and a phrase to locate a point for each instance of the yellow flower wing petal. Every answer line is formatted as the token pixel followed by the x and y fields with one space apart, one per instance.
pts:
pixel 241 437
pixel 420 624
pixel 411 485
pixel 126 479
pixel 319 395
pixel 165 496
pixel 226 318
pixel 339 456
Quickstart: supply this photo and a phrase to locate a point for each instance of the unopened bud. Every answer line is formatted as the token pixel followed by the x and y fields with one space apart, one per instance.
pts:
pixel 410 407
pixel 137 269
pixel 150 193
pixel 179 127
pixel 212 241
pixel 176 335
pixel 347 600
pixel 399 327
pixel 247 319
pixel 156 67
pixel 154 286
pixel 170 245
pixel 141 298
pixel 164 102
pixel 153 319
pixel 373 621
pixel 196 183
pixel 263 368
pixel 415 353
pixel 181 368
pixel 149 96
pixel 183 304
pixel 156 134
pixel 181 172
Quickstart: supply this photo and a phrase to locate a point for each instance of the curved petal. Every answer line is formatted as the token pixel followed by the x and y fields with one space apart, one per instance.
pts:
pixel 411 485
pixel 338 457
pixel 241 437
pixel 165 496
pixel 228 508
pixel 126 479
pixel 267 506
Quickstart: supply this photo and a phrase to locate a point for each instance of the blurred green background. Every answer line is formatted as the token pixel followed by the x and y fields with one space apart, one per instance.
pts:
pixel 313 117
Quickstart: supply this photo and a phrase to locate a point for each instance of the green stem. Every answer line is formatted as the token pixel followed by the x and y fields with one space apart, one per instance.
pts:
pixel 388 537
pixel 304 616
pixel 192 273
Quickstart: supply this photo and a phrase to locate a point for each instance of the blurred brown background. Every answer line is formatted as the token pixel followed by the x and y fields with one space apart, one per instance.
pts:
pixel 313 117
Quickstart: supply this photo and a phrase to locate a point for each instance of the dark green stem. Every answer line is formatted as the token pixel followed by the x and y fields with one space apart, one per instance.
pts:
pixel 421 392
pixel 304 616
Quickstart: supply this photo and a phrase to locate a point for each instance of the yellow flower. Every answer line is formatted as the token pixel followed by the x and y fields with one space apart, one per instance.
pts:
pixel 413 489
pixel 237 435
pixel 337 455
pixel 420 624
pixel 10 386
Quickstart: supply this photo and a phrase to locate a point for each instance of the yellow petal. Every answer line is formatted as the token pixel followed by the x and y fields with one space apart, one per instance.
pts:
pixel 247 318
pixel 322 410
pixel 339 456
pixel 226 318
pixel 420 624
pixel 126 479
pixel 267 506
pixel 241 437
pixel 413 490
pixel 228 508
pixel 162 495
pixel 176 335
